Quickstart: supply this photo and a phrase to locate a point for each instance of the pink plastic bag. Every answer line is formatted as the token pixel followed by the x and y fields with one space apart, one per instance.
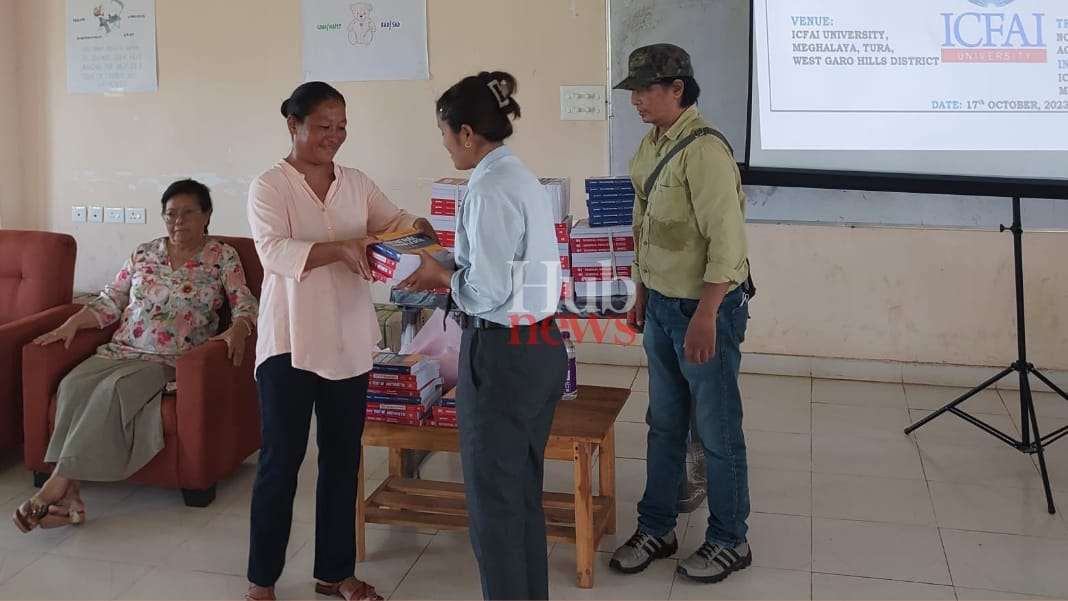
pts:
pixel 441 343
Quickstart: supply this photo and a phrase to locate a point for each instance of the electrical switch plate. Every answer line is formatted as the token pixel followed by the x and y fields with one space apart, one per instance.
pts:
pixel 583 103
pixel 114 215
pixel 135 215
pixel 77 214
pixel 96 214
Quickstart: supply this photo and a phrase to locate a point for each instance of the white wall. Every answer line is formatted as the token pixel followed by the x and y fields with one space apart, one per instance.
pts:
pixel 905 295
pixel 216 116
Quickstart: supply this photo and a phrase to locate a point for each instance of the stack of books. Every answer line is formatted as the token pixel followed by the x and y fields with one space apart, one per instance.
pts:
pixel 601 259
pixel 443 414
pixel 402 389
pixel 397 255
pixel 610 201
pixel 446 195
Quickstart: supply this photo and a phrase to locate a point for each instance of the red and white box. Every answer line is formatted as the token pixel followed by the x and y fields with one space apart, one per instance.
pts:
pixel 563 230
pixel 563 245
pixel 440 207
pixel 601 258
pixel 446 196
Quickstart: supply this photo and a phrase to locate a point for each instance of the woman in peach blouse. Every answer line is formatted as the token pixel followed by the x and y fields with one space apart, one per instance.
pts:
pixel 312 221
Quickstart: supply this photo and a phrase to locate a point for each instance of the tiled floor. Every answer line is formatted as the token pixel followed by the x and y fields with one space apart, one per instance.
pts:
pixel 844 507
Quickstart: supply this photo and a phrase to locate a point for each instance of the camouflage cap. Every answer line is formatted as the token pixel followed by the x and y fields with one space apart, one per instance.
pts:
pixel 650 64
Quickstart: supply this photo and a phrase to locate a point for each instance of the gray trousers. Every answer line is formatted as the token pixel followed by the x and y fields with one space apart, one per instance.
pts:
pixel 509 384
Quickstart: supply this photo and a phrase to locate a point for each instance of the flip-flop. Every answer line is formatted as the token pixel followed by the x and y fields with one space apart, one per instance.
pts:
pixel 349 589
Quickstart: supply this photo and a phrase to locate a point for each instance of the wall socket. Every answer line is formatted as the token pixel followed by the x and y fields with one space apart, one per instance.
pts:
pixel 77 214
pixel 135 215
pixel 96 214
pixel 114 215
pixel 583 103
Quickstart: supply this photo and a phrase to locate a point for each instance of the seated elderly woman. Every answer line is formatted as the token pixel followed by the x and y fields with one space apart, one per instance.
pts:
pixel 108 422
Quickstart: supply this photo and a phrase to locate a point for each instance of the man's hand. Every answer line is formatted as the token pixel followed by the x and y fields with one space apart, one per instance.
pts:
pixel 700 342
pixel 431 275
pixel 636 315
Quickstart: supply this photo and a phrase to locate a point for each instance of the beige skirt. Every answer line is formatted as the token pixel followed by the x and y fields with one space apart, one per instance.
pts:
pixel 108 419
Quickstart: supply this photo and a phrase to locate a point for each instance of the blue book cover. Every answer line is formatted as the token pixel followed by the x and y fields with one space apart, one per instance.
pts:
pixel 610 202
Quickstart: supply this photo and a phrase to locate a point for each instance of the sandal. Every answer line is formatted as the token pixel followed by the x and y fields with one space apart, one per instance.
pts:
pixel 60 515
pixel 259 593
pixel 69 510
pixel 29 515
pixel 349 589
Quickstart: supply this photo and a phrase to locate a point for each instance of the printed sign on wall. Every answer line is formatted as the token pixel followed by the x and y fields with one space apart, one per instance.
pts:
pixel 111 46
pixel 370 40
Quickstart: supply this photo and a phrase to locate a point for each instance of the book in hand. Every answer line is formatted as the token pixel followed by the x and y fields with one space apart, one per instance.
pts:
pixel 398 255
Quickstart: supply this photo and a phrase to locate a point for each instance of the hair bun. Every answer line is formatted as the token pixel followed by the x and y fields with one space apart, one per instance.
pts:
pixel 285 108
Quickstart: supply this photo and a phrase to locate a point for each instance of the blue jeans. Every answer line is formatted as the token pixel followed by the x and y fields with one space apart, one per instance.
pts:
pixel 713 387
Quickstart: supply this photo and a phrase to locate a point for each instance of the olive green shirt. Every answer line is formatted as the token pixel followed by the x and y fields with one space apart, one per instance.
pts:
pixel 691 229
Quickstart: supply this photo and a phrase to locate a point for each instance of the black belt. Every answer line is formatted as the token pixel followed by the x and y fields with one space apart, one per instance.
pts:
pixel 468 321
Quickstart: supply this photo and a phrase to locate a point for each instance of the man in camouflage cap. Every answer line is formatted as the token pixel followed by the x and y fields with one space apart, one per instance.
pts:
pixel 650 64
pixel 692 276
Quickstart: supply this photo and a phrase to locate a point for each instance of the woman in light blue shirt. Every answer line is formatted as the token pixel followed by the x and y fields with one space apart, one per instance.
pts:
pixel 512 361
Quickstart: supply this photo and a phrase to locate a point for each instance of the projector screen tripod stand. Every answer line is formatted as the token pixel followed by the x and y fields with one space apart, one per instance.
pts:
pixel 1032 441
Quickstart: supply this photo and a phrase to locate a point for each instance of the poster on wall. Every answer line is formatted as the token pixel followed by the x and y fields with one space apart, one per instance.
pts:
pixel 111 46
pixel 370 40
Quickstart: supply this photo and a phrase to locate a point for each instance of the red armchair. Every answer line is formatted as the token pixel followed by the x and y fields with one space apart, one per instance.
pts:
pixel 210 425
pixel 36 284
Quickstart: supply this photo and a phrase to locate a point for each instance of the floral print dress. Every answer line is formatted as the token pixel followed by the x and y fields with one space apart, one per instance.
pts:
pixel 167 311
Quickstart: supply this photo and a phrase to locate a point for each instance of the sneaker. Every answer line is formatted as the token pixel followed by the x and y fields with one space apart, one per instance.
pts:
pixel 712 562
pixel 637 553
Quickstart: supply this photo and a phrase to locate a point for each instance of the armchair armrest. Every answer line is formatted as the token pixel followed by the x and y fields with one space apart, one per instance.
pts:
pixel 42 369
pixel 218 412
pixel 13 335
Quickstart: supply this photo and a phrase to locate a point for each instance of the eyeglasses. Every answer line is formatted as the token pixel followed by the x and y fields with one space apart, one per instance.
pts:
pixel 174 216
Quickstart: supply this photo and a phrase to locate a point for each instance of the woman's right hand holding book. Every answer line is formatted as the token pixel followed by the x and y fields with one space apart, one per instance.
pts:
pixel 354 254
